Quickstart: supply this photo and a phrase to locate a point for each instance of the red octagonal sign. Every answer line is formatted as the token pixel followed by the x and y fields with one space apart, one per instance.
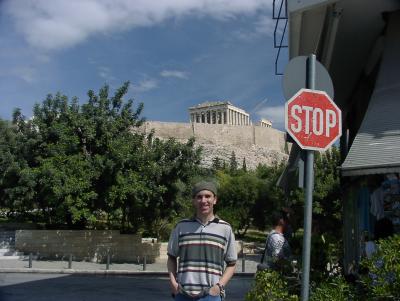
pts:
pixel 313 120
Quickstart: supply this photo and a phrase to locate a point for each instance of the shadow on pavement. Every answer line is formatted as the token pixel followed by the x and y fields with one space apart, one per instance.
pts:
pixel 45 287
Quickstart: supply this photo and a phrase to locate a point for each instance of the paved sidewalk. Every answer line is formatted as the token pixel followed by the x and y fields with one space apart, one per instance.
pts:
pixel 49 266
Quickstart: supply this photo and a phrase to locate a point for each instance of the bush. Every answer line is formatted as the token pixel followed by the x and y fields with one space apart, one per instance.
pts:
pixel 270 285
pixel 382 282
pixel 334 288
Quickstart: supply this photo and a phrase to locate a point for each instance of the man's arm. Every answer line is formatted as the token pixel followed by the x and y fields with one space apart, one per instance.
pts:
pixel 226 276
pixel 228 273
pixel 172 269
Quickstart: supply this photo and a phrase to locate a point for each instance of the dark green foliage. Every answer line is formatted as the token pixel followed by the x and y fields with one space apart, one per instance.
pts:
pixel 327 193
pixel 244 165
pixel 327 224
pixel 381 279
pixel 333 288
pixel 217 164
pixel 270 285
pixel 233 164
pixel 89 165
pixel 248 198
pixel 238 195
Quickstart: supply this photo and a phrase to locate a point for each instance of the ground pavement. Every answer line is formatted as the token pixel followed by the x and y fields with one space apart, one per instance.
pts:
pixel 86 281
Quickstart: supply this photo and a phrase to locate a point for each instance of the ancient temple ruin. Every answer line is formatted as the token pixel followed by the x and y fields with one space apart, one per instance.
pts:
pixel 218 112
pixel 222 112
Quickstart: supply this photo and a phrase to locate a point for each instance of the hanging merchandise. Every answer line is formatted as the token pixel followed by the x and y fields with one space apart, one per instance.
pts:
pixel 391 200
pixel 377 203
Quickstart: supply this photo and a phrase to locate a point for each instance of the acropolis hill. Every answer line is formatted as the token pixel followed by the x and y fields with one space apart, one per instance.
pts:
pixel 221 128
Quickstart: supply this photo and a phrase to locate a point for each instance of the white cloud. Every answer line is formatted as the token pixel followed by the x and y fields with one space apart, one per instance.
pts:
pixel 26 73
pixel 105 73
pixel 57 24
pixel 174 73
pixel 276 114
pixel 144 85
pixel 264 26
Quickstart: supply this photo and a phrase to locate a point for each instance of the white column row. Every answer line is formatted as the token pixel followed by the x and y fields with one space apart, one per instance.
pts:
pixel 227 116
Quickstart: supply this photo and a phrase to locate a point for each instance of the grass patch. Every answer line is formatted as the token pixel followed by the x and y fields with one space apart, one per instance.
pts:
pixel 254 235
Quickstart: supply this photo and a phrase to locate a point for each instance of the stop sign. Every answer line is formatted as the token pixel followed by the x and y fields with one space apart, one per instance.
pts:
pixel 313 119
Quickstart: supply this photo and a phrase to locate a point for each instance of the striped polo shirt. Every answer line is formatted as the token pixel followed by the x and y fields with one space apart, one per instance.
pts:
pixel 202 251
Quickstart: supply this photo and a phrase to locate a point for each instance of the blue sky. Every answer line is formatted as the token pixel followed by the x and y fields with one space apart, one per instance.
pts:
pixel 175 53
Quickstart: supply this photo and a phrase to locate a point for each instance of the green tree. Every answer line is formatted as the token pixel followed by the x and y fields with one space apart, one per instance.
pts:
pixel 90 164
pixel 16 178
pixel 238 195
pixel 217 164
pixel 244 165
pixel 327 224
pixel 233 164
pixel 271 198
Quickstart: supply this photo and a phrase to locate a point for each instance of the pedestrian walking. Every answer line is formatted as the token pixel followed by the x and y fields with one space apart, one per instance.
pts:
pixel 277 249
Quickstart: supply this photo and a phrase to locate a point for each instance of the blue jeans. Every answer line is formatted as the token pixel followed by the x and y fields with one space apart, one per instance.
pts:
pixel 181 297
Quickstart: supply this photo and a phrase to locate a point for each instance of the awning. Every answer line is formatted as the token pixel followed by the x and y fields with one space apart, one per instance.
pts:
pixel 376 147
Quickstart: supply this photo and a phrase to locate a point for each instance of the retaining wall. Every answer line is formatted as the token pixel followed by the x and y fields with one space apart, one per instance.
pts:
pixel 241 136
pixel 89 245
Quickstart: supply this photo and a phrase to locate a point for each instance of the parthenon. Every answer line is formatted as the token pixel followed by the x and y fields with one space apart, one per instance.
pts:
pixel 219 112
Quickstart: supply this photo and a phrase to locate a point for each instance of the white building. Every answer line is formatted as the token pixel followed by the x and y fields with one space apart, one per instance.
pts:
pixel 218 112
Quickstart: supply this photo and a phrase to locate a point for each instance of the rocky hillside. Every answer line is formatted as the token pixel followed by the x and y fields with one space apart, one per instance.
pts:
pixel 257 144
pixel 254 155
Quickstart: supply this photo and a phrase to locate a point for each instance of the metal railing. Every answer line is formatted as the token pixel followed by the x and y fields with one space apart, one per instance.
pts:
pixel 282 14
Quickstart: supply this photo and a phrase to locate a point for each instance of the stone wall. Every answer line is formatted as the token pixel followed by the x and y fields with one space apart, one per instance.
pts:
pixel 89 245
pixel 259 145
pixel 243 136
pixel 92 245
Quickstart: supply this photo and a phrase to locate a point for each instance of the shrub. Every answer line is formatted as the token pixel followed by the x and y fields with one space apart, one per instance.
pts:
pixel 270 285
pixel 334 288
pixel 382 282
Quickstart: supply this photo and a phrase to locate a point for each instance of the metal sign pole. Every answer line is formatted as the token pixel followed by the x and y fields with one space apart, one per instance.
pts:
pixel 309 187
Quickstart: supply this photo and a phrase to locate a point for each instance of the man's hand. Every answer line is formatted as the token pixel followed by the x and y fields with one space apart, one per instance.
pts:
pixel 214 290
pixel 174 287
pixel 172 267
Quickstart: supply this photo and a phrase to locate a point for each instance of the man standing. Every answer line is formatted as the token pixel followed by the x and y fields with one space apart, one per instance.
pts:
pixel 277 249
pixel 202 244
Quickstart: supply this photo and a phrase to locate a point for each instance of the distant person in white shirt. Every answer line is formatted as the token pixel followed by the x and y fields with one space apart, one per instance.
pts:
pixel 277 249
